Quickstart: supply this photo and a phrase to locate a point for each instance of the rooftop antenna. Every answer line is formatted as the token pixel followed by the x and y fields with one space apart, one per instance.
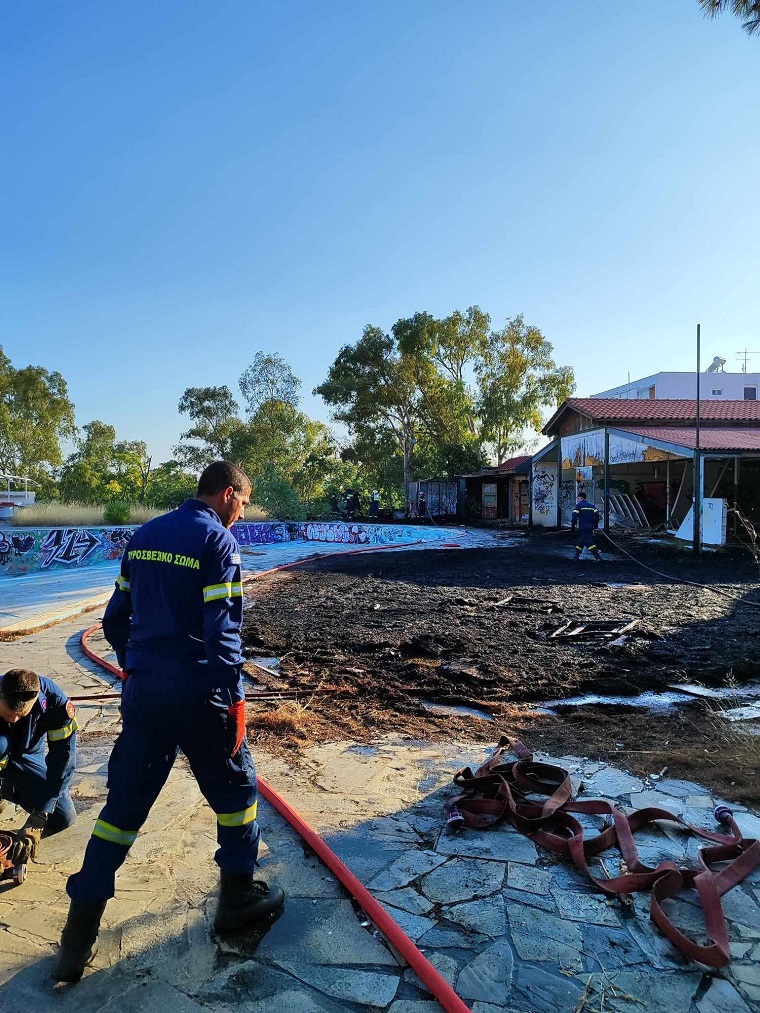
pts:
pixel 745 355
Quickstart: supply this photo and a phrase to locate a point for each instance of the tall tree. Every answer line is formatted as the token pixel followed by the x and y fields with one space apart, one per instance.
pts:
pixel 446 392
pixel 216 426
pixel 269 379
pixel 102 468
pixel 517 378
pixel 35 415
pixel 169 485
pixel 372 386
pixel 747 9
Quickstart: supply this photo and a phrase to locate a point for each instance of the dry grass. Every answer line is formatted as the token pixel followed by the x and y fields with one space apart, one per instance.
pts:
pixel 80 515
pixel 74 515
pixel 52 515
pixel 255 513
pixel 139 514
pixel 290 721
pixel 741 739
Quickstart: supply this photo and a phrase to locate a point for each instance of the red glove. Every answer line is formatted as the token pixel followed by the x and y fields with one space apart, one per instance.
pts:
pixel 237 722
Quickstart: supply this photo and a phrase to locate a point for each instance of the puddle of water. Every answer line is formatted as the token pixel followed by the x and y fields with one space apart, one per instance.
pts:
pixel 455 710
pixel 659 703
pixel 749 713
pixel 721 693
pixel 654 702
pixel 265 662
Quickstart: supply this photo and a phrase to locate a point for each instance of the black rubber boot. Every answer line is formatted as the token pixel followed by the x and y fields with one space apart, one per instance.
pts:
pixel 597 555
pixel 246 902
pixel 79 941
pixel 577 556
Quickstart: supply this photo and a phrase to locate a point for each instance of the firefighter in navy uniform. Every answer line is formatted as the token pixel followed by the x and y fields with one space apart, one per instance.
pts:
pixel 174 622
pixel 586 519
pixel 35 712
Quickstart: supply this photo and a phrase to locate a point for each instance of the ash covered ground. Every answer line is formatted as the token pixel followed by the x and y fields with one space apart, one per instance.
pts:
pixel 369 640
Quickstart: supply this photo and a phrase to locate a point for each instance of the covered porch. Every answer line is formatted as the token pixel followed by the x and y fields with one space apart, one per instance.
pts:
pixel 644 477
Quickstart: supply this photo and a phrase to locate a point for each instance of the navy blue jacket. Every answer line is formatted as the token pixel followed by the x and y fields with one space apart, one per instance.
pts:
pixel 24 741
pixel 178 603
pixel 585 516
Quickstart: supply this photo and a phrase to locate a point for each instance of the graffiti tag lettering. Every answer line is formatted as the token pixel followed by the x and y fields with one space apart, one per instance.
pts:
pixel 70 546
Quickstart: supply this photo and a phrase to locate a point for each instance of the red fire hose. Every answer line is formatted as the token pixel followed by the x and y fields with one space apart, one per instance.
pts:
pixel 393 933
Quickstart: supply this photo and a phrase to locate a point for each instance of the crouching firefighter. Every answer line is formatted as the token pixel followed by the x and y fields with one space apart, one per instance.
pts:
pixel 586 519
pixel 174 622
pixel 34 714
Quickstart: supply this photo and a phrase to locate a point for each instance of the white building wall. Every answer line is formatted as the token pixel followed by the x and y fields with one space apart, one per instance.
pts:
pixel 712 386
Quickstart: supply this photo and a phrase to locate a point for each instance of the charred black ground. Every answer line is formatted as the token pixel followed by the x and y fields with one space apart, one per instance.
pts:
pixel 380 632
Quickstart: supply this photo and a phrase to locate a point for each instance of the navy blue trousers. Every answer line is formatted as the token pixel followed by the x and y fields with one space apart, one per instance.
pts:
pixel 24 783
pixel 162 716
pixel 585 539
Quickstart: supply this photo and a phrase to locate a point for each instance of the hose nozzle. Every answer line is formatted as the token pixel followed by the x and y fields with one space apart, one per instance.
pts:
pixel 723 814
pixel 454 819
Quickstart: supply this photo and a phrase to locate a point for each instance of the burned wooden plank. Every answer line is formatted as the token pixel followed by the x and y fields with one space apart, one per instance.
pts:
pixel 594 629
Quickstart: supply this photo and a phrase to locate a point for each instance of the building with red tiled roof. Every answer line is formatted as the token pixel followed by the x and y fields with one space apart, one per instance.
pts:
pixel 638 459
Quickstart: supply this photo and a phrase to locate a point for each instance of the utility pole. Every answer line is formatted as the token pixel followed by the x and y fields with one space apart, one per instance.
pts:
pixel 697 467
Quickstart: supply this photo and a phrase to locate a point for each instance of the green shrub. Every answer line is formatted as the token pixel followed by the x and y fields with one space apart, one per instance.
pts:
pixel 117 512
pixel 278 497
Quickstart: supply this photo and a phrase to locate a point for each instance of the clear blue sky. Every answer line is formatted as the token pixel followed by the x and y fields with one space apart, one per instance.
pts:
pixel 185 182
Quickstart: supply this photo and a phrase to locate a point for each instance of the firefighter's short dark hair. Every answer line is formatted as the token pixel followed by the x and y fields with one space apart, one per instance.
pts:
pixel 18 686
pixel 221 475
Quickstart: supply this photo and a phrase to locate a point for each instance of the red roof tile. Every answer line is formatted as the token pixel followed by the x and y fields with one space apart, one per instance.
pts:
pixel 709 439
pixel 513 463
pixel 669 410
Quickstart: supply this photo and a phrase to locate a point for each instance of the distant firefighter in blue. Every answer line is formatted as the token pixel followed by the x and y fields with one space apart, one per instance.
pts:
pixel 586 520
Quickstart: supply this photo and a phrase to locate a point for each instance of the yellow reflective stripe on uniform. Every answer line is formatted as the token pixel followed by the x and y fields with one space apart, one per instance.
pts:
pixel 122 584
pixel 238 819
pixel 4 762
pixel 216 591
pixel 108 832
pixel 63 733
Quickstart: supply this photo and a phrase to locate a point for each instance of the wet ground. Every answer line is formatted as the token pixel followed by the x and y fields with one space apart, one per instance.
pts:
pixel 457 642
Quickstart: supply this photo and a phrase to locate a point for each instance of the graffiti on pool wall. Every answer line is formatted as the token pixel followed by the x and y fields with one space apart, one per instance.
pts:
pixel 22 544
pixel 327 531
pixel 67 548
pixel 543 492
pixel 61 548
pixel 263 533
pixel 70 546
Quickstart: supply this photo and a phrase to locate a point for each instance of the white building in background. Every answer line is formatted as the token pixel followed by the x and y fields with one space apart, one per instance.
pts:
pixel 713 386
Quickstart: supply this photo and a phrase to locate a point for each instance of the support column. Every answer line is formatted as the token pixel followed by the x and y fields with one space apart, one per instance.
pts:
pixel 736 493
pixel 698 494
pixel 606 481
pixel 667 492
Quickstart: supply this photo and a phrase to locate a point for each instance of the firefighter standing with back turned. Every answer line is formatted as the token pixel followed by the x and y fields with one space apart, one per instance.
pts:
pixel 174 622
pixel 586 518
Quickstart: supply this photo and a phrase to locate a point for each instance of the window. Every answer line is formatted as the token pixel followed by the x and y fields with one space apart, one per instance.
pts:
pixel 750 393
pixel 717 392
